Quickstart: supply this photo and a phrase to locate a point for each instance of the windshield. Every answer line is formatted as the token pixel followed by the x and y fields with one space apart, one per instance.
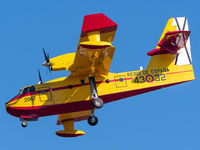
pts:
pixel 25 90
pixel 28 89
pixel 20 92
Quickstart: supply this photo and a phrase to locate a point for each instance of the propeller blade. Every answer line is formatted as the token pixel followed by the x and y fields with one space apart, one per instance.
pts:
pixel 47 63
pixel 46 56
pixel 40 78
pixel 50 69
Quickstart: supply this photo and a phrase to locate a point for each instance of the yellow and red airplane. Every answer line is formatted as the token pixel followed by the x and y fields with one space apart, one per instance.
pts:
pixel 90 84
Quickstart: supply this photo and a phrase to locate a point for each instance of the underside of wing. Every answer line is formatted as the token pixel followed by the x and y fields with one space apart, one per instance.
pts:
pixel 75 116
pixel 95 51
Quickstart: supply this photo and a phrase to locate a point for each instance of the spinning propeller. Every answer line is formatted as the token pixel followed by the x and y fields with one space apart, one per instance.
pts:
pixel 46 63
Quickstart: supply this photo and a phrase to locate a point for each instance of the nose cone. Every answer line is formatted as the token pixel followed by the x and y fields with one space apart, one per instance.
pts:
pixel 6 103
pixel 9 107
pixel 9 103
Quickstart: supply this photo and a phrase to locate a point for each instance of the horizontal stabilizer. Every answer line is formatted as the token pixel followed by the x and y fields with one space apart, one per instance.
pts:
pixel 171 43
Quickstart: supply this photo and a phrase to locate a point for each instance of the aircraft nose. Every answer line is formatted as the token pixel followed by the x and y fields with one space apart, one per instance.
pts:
pixel 9 102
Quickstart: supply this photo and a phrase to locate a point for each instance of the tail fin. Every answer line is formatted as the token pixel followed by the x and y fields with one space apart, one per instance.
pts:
pixel 173 47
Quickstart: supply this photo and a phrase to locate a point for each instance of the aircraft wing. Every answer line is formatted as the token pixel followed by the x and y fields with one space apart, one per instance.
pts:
pixel 94 53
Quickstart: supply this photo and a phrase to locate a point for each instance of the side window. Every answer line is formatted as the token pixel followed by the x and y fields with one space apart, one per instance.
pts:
pixel 25 90
pixel 32 88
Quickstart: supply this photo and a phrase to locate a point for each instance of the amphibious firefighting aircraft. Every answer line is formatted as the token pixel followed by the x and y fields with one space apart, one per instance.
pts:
pixel 90 84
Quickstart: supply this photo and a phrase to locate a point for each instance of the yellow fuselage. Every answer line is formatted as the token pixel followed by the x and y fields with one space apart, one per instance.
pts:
pixel 71 95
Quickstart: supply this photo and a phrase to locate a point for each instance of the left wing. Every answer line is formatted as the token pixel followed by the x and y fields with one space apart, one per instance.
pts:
pixel 94 54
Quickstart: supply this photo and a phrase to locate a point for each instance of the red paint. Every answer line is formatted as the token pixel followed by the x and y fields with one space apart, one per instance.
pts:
pixel 68 135
pixel 171 43
pixel 160 43
pixel 31 116
pixel 94 46
pixel 78 106
pixel 59 122
pixel 128 78
pixel 152 78
pixel 47 110
pixel 97 22
pixel 156 51
pixel 179 31
pixel 59 88
pixel 179 72
pixel 116 96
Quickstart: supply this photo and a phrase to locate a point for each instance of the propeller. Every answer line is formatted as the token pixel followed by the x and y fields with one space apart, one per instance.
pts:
pixel 40 78
pixel 46 63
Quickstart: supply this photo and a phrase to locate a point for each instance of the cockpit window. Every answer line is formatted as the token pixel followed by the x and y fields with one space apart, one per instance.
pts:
pixel 32 88
pixel 25 90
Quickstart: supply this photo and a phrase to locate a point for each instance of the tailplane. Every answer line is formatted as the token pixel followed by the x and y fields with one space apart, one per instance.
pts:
pixel 174 45
pixel 173 51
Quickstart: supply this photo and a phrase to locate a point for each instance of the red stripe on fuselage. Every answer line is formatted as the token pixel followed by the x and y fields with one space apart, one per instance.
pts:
pixel 179 72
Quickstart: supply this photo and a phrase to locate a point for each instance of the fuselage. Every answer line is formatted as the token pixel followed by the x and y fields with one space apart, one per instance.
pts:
pixel 72 94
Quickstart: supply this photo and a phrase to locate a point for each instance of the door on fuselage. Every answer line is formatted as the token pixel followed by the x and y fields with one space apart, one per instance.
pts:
pixel 44 93
pixel 120 81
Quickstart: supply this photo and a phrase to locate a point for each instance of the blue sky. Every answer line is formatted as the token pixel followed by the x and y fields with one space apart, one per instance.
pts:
pixel 163 119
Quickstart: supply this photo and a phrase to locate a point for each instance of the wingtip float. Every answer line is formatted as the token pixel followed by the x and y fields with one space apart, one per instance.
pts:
pixel 90 85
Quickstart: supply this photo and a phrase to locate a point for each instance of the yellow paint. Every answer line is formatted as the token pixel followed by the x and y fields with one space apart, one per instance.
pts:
pixel 69 128
pixel 74 115
pixel 94 36
pixel 87 62
pixel 62 62
pixel 163 60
